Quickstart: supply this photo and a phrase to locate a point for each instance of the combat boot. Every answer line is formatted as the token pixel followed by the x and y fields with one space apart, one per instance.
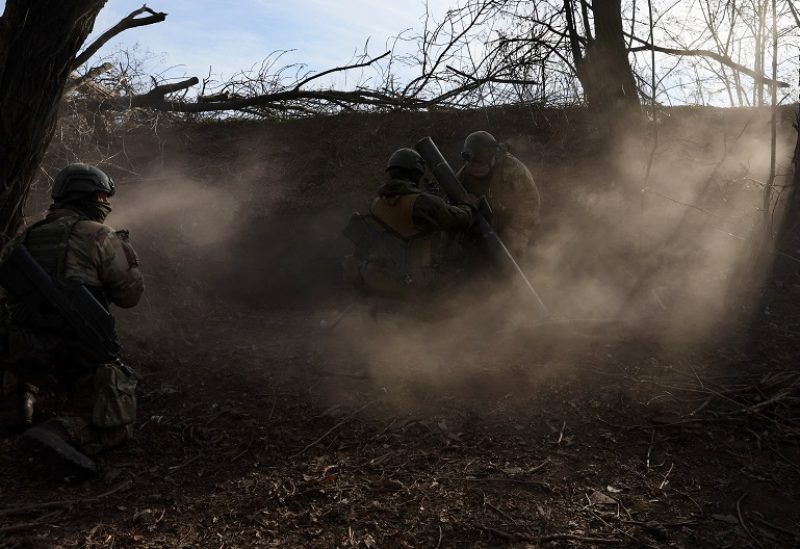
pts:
pixel 51 441
pixel 27 403
pixel 20 413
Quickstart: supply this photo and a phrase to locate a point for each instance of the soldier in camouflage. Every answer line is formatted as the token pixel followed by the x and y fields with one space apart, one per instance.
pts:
pixel 419 220
pixel 492 172
pixel 95 403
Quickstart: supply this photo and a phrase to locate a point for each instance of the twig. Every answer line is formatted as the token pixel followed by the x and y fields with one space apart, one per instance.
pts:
pixel 340 69
pixel 741 520
pixel 777 528
pixel 664 482
pixel 185 463
pixel 539 467
pixel 64 503
pixel 537 483
pixel 561 433
pixel 500 512
pixel 548 538
pixel 335 427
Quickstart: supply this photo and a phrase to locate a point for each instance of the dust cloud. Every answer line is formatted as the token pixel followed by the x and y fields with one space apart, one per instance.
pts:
pixel 637 245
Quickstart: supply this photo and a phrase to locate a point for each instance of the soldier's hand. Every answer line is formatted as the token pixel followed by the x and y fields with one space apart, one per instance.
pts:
pixel 471 200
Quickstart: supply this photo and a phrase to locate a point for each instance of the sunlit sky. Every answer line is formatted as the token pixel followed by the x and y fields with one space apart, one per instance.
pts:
pixel 227 37
pixel 202 37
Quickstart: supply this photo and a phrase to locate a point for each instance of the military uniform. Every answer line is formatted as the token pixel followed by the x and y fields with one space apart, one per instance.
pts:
pixel 418 219
pixel 513 197
pixel 95 404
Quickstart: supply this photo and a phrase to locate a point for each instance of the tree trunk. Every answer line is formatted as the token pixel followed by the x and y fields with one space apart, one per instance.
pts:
pixel 787 240
pixel 39 40
pixel 605 73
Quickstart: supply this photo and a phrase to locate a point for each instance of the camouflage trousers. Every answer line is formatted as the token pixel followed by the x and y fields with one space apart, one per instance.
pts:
pixel 97 408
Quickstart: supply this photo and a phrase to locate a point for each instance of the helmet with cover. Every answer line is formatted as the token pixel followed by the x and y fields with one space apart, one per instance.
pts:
pixel 479 146
pixel 78 180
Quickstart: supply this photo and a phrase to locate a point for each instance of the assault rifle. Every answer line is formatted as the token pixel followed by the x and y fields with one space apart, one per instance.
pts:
pixel 455 192
pixel 39 298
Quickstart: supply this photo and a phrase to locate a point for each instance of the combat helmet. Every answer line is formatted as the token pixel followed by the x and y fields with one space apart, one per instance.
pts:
pixel 406 159
pixel 80 179
pixel 480 144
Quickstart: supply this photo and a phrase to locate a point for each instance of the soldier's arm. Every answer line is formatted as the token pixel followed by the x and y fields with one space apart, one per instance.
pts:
pixel 119 273
pixel 524 192
pixel 525 202
pixel 431 212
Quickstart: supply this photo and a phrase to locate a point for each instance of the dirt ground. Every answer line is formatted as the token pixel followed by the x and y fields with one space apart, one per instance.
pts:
pixel 275 413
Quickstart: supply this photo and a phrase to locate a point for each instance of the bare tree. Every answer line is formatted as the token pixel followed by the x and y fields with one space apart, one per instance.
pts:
pixel 39 44
pixel 604 69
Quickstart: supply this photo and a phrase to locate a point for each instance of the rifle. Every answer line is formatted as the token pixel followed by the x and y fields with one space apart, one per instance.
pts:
pixel 36 293
pixel 455 192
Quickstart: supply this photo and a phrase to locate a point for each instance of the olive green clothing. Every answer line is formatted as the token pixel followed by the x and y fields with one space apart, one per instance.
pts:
pixel 93 254
pixel 429 213
pixel 97 408
pixel 513 197
pixel 97 401
pixel 418 219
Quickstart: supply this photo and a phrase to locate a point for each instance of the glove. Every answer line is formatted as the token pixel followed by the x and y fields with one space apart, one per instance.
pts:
pixel 471 200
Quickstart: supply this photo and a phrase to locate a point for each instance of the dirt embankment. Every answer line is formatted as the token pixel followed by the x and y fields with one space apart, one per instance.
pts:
pixel 624 421
pixel 257 208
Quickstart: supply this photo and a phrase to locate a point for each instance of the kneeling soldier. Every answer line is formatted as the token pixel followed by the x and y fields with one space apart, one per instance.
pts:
pixel 398 245
pixel 60 276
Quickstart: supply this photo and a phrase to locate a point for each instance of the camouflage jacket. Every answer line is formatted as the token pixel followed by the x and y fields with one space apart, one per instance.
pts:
pixel 411 211
pixel 419 220
pixel 513 197
pixel 70 247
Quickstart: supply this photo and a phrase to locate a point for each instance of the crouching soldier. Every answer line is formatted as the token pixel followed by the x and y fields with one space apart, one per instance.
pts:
pixel 399 244
pixel 492 172
pixel 59 277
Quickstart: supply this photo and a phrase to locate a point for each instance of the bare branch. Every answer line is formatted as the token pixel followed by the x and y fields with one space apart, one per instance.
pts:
pixel 79 80
pixel 340 69
pixel 492 79
pixel 759 78
pixel 156 100
pixel 131 21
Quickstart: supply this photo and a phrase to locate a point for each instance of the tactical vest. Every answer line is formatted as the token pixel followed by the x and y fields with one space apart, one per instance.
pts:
pixel 396 216
pixel 48 242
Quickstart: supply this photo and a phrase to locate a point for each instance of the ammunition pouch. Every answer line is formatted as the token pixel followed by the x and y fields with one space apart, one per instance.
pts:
pixel 114 396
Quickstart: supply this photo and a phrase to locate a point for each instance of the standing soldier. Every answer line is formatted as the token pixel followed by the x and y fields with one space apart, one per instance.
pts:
pixel 492 172
pixel 399 244
pixel 94 401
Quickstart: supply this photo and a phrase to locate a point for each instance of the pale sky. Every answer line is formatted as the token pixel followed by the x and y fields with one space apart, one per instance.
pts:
pixel 231 36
